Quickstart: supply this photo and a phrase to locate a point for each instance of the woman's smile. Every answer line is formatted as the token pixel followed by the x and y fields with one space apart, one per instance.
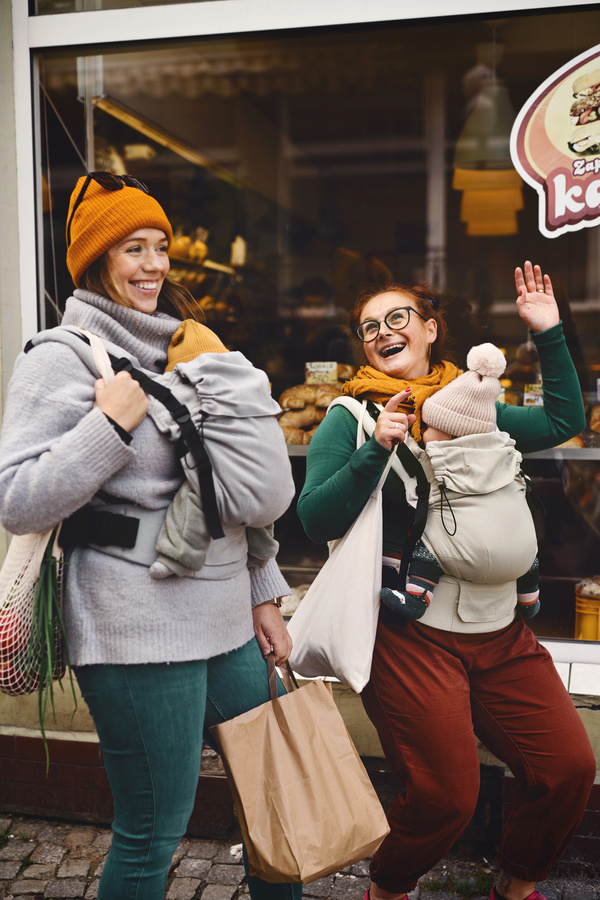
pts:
pixel 138 266
pixel 400 354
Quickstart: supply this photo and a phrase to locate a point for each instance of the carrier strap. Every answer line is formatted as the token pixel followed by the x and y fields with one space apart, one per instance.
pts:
pixel 413 469
pixel 189 434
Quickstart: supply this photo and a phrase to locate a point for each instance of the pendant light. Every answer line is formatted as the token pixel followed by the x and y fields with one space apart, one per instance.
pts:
pixel 483 170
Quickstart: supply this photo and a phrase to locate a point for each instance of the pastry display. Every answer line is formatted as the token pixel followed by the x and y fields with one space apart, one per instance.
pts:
pixel 595 418
pixel 188 250
pixel 577 441
pixel 305 405
pixel 299 425
pixel 298 396
pixel 180 245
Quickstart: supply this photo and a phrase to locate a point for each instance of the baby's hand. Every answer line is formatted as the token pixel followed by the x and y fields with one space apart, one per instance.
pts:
pixel 434 434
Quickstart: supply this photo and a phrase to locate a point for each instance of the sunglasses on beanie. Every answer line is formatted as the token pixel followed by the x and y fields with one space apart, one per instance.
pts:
pixel 109 182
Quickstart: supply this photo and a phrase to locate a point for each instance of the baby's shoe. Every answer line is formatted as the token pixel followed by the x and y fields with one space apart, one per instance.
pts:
pixel 528 605
pixel 159 570
pixel 407 605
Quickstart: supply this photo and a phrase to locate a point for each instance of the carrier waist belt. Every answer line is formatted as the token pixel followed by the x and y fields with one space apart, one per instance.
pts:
pixel 119 529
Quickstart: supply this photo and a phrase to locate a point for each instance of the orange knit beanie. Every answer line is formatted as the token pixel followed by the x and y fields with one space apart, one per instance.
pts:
pixel 189 341
pixel 103 218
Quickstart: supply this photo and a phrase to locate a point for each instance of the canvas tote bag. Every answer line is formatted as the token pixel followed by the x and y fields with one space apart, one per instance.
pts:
pixel 333 629
pixel 304 800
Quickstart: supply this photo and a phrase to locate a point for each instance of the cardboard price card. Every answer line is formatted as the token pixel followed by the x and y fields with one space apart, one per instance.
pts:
pixel 555 146
pixel 533 395
pixel 321 372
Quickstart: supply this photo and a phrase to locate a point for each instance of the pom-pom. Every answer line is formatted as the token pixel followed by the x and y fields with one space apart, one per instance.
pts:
pixel 487 360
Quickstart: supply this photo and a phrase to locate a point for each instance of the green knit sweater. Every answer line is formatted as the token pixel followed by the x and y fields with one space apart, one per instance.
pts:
pixel 340 478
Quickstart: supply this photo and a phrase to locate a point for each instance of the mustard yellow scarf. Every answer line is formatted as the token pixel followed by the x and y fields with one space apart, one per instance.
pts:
pixel 371 384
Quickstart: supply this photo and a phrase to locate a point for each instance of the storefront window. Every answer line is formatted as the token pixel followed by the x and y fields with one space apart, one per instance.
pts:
pixel 51 7
pixel 298 169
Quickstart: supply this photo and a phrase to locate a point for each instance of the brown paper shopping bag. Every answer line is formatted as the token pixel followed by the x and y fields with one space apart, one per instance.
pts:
pixel 304 800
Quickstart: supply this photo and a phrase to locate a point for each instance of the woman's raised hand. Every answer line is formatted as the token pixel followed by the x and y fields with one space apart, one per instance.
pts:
pixel 122 399
pixel 391 425
pixel 535 303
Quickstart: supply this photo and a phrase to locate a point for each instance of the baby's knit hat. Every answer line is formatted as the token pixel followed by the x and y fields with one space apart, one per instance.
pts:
pixel 103 218
pixel 467 404
pixel 191 339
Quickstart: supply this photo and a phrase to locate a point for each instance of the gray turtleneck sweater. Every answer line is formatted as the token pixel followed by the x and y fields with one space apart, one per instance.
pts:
pixel 57 450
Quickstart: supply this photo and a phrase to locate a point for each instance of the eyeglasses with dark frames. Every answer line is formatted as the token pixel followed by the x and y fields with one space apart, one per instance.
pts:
pixel 109 182
pixel 396 320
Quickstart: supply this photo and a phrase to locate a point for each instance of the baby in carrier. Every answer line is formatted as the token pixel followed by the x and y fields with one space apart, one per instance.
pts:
pixel 479 527
pixel 184 538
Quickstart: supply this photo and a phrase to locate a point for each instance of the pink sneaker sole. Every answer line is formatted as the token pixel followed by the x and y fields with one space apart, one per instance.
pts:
pixel 534 896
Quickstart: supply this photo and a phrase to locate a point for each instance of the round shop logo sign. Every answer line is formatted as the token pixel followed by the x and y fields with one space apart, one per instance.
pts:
pixel 555 146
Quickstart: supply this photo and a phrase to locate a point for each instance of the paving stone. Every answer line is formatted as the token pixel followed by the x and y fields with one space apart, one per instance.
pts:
pixel 218 892
pixel 223 874
pixel 92 891
pixel 74 868
pixel 14 850
pixel 65 889
pixel 102 842
pixel 550 892
pixel 193 868
pixel 349 887
pixel 183 889
pixel 320 888
pixel 437 895
pixel 48 854
pixel 38 871
pixel 79 838
pixel 9 869
pixel 51 833
pixel 579 892
pixel 5 824
pixel 28 886
pixel 100 868
pixel 202 849
pixel 230 854
pixel 361 868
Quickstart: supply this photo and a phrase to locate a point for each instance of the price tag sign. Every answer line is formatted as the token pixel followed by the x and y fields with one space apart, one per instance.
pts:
pixel 533 395
pixel 321 372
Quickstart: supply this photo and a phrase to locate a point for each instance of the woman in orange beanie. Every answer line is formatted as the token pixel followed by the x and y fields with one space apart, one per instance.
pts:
pixel 158 661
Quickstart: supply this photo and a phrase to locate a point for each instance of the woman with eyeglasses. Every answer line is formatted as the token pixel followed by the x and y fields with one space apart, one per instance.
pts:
pixel 440 682
pixel 158 661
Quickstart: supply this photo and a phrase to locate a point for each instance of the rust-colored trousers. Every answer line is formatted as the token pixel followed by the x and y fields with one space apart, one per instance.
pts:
pixel 431 692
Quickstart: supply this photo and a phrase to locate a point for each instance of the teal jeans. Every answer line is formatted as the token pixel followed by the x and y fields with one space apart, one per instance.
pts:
pixel 151 720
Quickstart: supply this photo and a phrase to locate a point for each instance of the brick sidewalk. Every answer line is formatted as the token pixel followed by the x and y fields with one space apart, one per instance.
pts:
pixel 58 861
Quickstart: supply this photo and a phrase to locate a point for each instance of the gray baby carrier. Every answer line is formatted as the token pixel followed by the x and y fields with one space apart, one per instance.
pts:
pixel 457 517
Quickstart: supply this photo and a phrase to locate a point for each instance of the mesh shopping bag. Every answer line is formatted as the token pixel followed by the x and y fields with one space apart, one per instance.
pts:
pixel 32 648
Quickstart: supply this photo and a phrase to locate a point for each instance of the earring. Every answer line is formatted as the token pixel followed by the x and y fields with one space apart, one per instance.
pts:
pixel 429 350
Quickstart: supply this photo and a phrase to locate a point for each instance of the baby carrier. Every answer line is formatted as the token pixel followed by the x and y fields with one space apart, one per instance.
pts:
pixel 219 411
pixel 472 509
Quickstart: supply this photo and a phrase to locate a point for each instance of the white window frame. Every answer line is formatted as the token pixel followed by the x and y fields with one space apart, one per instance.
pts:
pixel 213 17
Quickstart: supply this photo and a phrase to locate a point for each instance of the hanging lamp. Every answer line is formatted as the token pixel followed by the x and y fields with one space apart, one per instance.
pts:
pixel 483 170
